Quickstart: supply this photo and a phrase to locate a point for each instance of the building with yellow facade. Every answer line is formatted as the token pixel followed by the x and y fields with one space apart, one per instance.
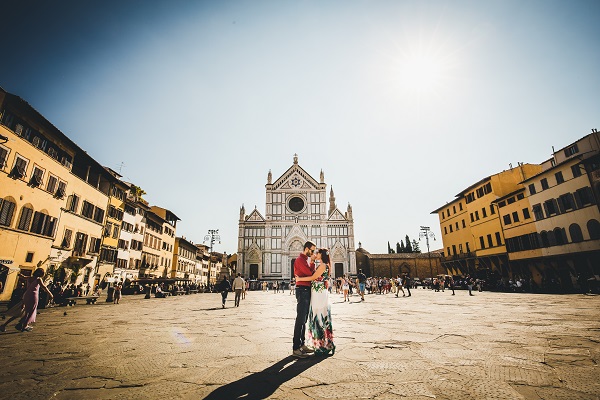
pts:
pixel 41 225
pixel 203 255
pixel 169 226
pixel 75 251
pixel 131 237
pixel 471 229
pixel 185 265
pixel 552 225
pixel 107 260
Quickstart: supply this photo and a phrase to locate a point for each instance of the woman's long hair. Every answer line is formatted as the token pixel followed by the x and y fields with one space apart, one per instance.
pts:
pixel 325 256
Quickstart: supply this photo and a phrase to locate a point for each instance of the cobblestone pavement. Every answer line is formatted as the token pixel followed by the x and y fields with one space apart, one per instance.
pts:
pixel 430 345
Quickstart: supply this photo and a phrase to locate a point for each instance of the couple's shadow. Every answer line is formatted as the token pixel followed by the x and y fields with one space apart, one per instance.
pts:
pixel 261 385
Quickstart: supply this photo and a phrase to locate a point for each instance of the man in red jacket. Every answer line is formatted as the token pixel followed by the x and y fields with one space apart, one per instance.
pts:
pixel 303 266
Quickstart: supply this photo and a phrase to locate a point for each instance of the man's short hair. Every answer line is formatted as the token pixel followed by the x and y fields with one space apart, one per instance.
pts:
pixel 309 244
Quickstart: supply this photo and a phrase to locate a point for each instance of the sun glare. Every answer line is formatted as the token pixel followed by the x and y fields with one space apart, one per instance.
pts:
pixel 422 73
pixel 424 70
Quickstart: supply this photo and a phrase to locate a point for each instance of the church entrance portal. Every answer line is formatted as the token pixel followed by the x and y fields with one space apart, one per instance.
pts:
pixel 253 271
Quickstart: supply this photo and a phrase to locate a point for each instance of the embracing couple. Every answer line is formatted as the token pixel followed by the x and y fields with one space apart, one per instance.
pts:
pixel 312 299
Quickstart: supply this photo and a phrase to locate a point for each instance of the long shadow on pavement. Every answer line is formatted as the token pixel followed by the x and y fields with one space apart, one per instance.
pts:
pixel 261 385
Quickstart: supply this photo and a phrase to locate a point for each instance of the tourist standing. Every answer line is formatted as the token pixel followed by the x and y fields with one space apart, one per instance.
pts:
pixel 470 285
pixel 320 330
pixel 117 294
pixel 246 287
pixel 303 267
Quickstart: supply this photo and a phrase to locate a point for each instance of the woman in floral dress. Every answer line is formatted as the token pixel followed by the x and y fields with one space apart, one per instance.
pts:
pixel 320 330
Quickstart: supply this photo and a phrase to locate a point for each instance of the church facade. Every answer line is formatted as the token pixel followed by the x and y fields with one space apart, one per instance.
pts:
pixel 296 211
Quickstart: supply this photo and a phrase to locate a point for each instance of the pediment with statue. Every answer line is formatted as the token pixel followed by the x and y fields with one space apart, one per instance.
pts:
pixel 254 254
pixel 338 252
pixel 296 246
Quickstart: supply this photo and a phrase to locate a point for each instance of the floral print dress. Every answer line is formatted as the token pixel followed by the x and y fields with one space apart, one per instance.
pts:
pixel 320 330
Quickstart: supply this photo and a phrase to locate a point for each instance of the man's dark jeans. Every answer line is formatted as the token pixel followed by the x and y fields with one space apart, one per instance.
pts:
pixel 224 294
pixel 303 299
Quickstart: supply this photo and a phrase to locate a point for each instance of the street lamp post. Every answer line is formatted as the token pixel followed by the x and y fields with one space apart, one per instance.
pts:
pixel 426 233
pixel 212 237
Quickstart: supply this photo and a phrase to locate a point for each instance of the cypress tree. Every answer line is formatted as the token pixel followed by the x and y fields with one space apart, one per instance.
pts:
pixel 408 246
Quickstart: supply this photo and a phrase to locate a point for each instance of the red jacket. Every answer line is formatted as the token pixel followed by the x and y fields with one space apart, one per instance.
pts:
pixel 302 267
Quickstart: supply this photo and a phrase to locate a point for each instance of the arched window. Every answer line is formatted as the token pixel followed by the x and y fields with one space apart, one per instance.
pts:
pixel 7 210
pixel 576 234
pixel 25 217
pixel 593 227
pixel 551 238
pixel 559 236
pixel 545 239
pixel 43 224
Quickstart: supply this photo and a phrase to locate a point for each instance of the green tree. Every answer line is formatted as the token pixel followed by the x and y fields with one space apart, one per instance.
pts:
pixel 390 250
pixel 415 247
pixel 398 248
pixel 137 191
pixel 75 271
pixel 408 246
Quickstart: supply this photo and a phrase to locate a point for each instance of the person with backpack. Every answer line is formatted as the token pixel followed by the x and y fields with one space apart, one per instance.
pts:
pixel 224 288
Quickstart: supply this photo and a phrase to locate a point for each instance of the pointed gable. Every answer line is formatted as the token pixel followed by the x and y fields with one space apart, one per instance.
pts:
pixel 336 215
pixel 255 216
pixel 295 178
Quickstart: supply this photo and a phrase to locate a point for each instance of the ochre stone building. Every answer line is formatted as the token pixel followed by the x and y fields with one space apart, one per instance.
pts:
pixel 416 265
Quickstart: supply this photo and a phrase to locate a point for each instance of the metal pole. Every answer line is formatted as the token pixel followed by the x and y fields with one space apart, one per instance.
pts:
pixel 426 233
pixel 213 234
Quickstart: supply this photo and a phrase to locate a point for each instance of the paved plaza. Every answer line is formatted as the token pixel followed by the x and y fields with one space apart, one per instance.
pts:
pixel 430 345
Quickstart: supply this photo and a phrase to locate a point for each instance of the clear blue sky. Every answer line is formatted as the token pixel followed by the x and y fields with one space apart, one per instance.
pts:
pixel 401 103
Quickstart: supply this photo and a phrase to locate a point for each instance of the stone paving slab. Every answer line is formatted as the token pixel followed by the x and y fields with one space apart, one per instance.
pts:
pixel 427 346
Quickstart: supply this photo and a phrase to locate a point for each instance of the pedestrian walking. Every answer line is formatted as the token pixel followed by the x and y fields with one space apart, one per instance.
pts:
pixel 362 279
pixel 345 288
pixel 451 284
pixel 238 287
pixel 31 299
pixel 246 287
pixel 15 305
pixel 303 266
pixel 292 286
pixel 406 283
pixel 399 286
pixel 224 288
